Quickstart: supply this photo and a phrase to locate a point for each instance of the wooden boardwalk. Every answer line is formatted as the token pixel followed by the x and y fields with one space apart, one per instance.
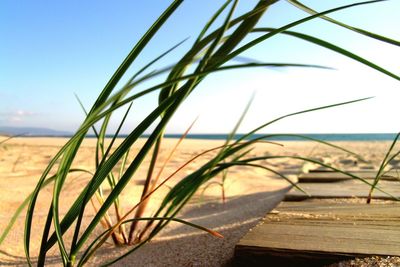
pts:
pixel 311 233
pixel 329 176
pixel 344 189
pixel 315 231
pixel 328 184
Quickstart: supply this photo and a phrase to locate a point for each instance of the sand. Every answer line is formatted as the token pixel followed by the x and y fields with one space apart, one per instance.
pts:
pixel 250 193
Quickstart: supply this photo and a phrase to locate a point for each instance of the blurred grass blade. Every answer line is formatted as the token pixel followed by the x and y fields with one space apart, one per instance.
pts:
pixel 11 137
pixel 225 26
pixel 246 26
pixel 333 47
pixel 240 163
pixel 355 29
pixel 272 65
pixel 314 140
pixel 291 25
pixel 19 210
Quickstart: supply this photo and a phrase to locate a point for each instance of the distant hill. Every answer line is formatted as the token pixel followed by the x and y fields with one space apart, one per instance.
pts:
pixel 31 131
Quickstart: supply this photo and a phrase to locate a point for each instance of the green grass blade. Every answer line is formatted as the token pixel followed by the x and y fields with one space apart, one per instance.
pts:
pixel 384 163
pixel 61 175
pixel 46 229
pixel 298 113
pixel 212 20
pixel 385 160
pixel 135 52
pixel 96 133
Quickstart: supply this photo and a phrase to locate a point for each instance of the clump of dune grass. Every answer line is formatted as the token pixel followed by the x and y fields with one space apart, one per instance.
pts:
pixel 211 52
pixel 383 168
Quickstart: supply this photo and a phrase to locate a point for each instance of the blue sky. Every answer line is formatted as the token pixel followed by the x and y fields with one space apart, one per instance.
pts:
pixel 53 49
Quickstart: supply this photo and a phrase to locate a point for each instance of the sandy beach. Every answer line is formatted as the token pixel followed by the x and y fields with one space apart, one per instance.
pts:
pixel 250 194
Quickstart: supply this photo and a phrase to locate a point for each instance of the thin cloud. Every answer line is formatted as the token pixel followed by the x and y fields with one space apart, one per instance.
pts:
pixel 16 116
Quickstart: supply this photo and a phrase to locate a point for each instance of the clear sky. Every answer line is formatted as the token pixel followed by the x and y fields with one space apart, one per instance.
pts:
pixel 53 49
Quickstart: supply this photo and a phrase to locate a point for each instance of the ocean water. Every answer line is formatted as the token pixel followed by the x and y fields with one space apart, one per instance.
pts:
pixel 273 137
pixel 282 137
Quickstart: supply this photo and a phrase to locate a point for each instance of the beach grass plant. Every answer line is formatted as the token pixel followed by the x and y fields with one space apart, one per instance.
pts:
pixel 115 164
pixel 383 168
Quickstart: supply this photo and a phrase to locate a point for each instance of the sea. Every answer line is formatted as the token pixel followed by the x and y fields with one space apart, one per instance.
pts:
pixel 292 137
pixel 272 137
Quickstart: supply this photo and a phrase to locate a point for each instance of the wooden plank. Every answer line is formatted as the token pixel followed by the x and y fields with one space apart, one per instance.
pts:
pixel 344 189
pixel 317 233
pixel 326 177
pixel 324 169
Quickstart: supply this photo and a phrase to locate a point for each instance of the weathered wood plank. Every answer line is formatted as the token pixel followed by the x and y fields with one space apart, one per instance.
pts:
pixel 315 233
pixel 326 176
pixel 344 189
